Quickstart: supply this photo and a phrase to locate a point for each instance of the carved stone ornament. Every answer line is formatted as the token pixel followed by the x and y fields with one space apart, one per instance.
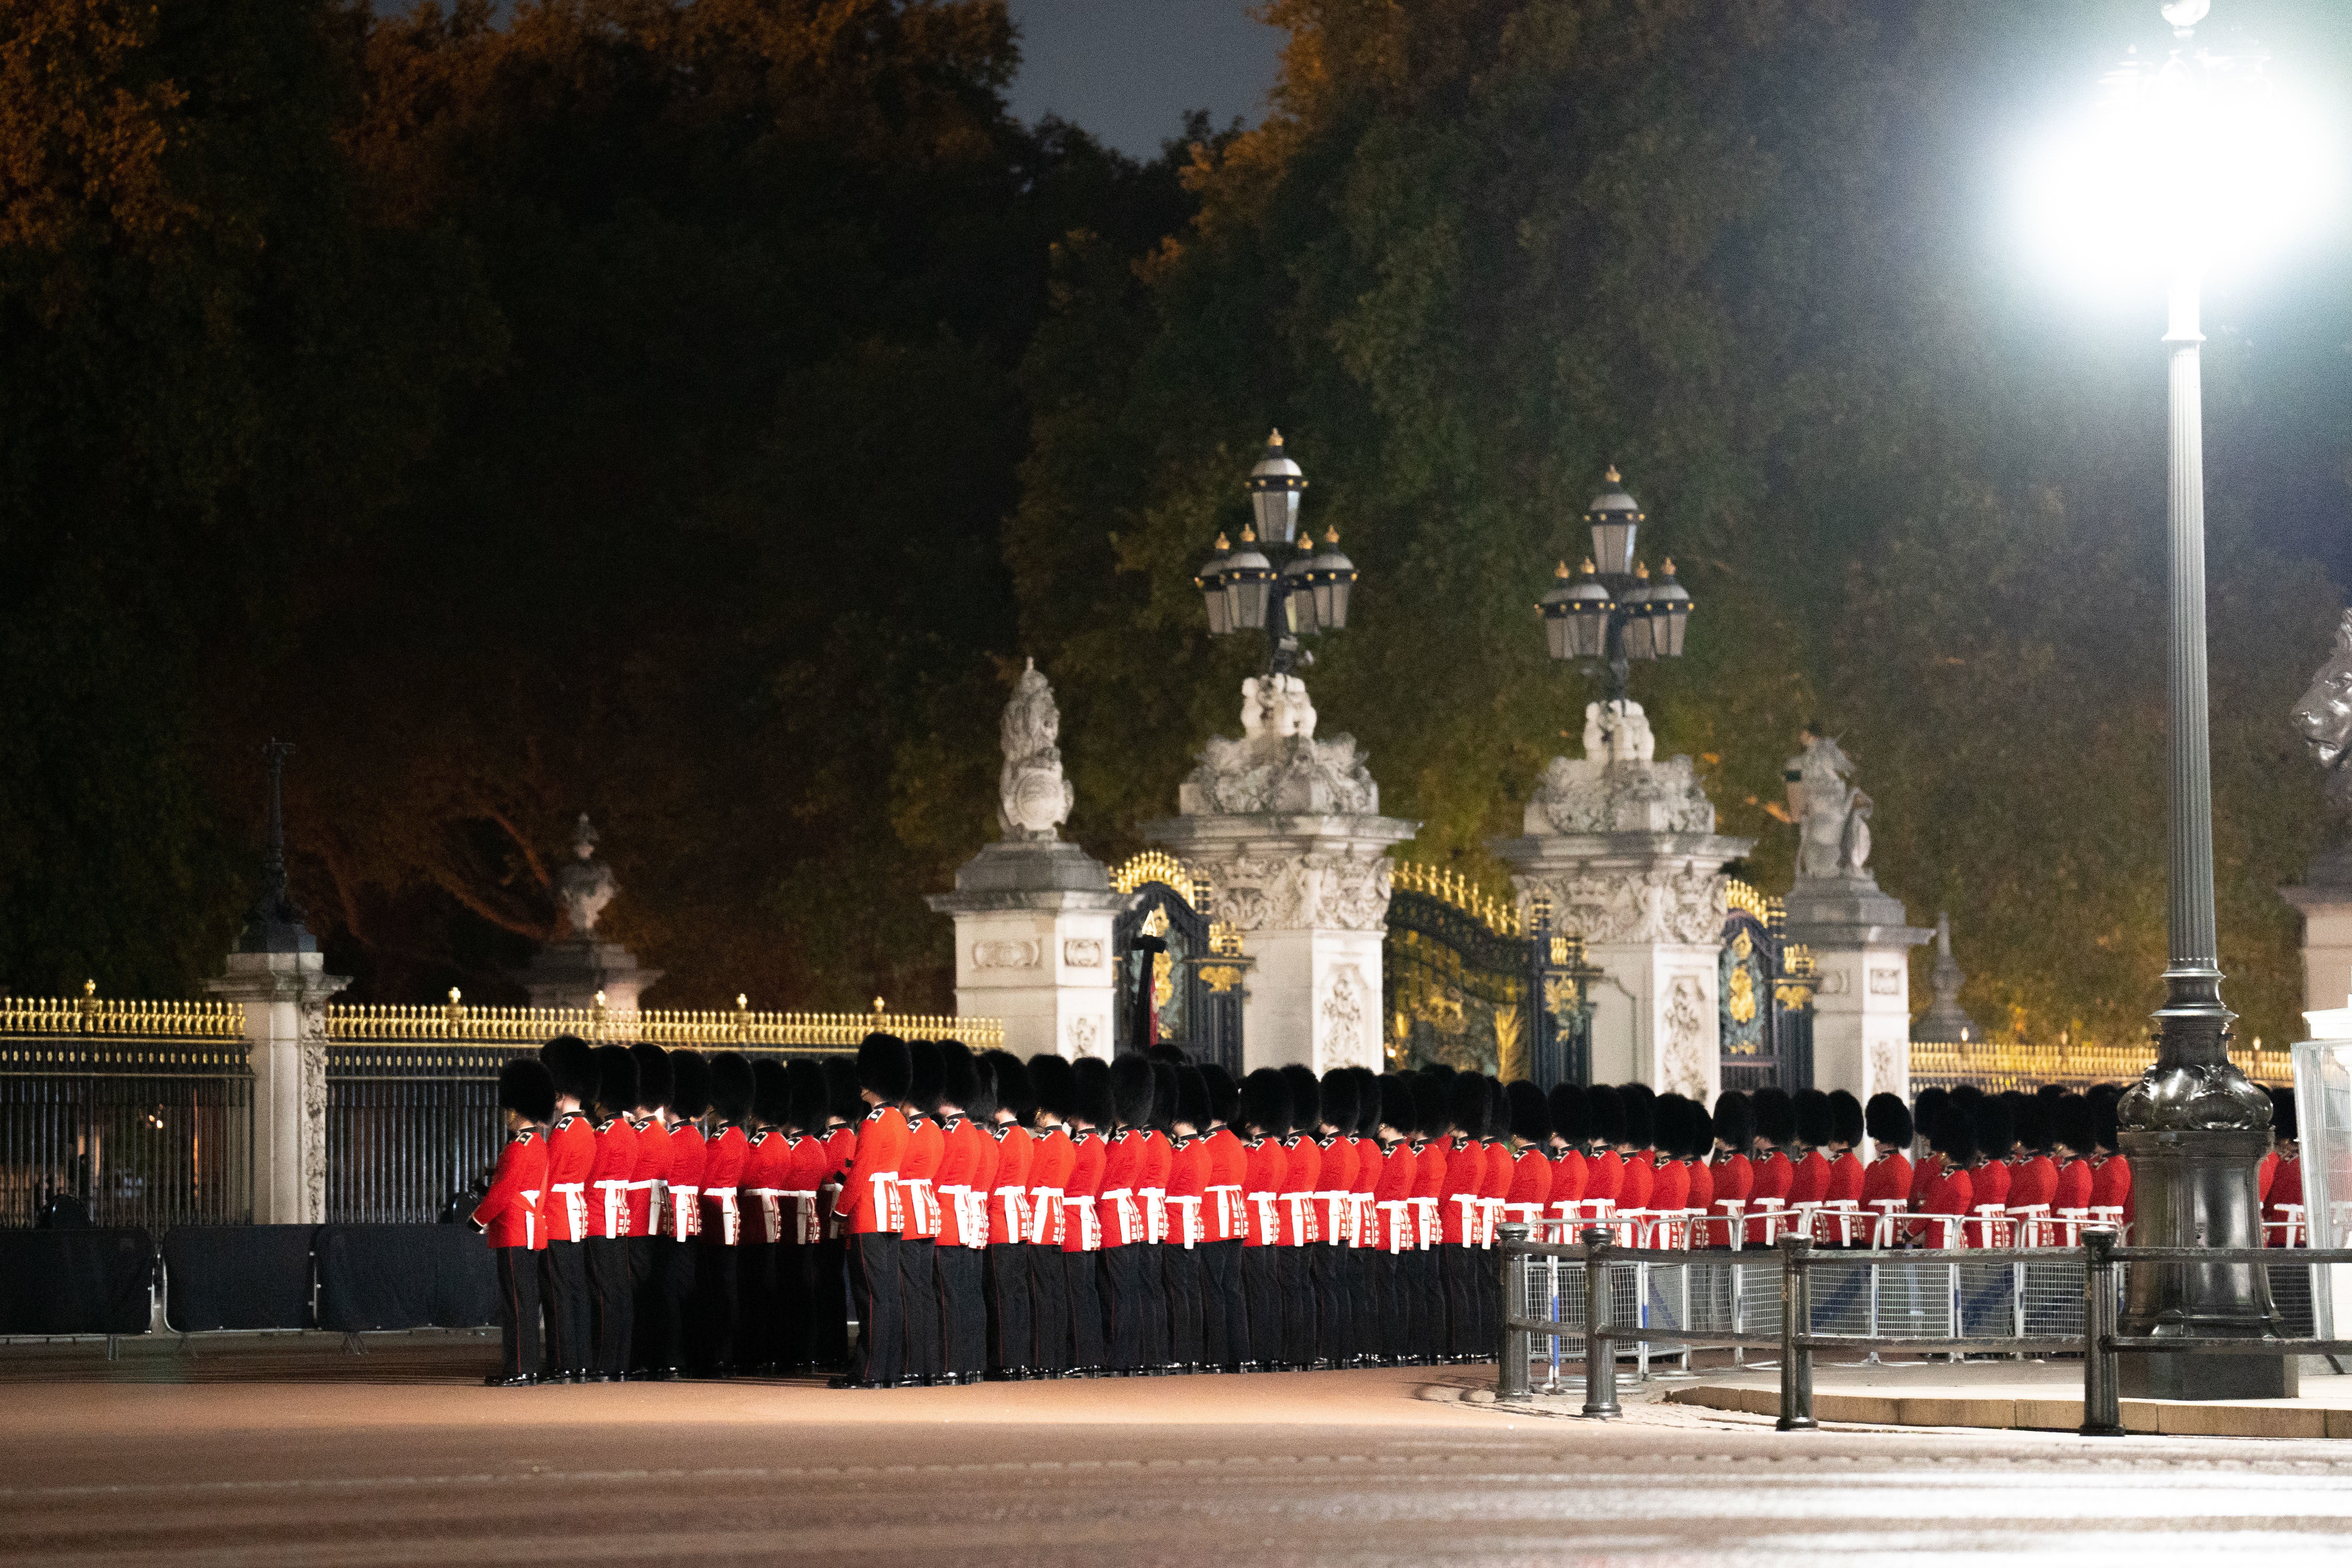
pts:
pixel 1631 796
pixel 1682 1067
pixel 313 1015
pixel 2323 717
pixel 1886 1073
pixel 1833 983
pixel 1278 765
pixel 1006 954
pixel 1660 905
pixel 1082 952
pixel 1346 1011
pixel 1886 983
pixel 1833 831
pixel 1276 892
pixel 586 885
pixel 1084 1033
pixel 1036 799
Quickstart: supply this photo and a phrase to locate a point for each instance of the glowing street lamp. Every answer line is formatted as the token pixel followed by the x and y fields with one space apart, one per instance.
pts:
pixel 1612 611
pixel 2185 165
pixel 1245 592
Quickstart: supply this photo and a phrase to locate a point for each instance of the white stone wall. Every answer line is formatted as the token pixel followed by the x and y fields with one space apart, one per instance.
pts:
pixel 1047 973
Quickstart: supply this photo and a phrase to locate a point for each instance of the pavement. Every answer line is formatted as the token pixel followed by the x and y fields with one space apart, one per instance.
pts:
pixel 297 1453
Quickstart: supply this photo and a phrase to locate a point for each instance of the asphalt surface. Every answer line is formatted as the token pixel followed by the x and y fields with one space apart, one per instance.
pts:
pixel 322 1458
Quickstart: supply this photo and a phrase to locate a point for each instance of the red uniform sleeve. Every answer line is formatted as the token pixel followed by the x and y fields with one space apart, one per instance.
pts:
pixel 881 1142
pixel 508 1182
pixel 1845 1179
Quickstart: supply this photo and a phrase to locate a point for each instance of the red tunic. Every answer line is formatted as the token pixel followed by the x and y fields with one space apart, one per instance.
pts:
pixel 687 1150
pixel 1335 1185
pixel 1734 1177
pixel 1530 1189
pixel 1118 1201
pixel 1008 1193
pixel 1367 1180
pixel 1810 1182
pixel 1771 1177
pixel 1222 1208
pixel 1845 1179
pixel 1700 1194
pixel 2264 1175
pixel 1670 1187
pixel 2111 1183
pixel 951 1182
pixel 1265 1164
pixel 1920 1177
pixel 2074 1189
pixel 919 1169
pixel 869 1197
pixel 1188 1185
pixel 1990 1182
pixel 1466 1179
pixel 1888 1179
pixel 1604 1176
pixel 1570 1171
pixel 767 1156
pixel 1053 1155
pixel 2032 1181
pixel 1430 1158
pixel 570 1154
pixel 1393 1224
pixel 1302 1178
pixel 2286 1187
pixel 509 1213
pixel 651 1165
pixel 1152 1183
pixel 1082 1218
pixel 1633 1185
pixel 1949 1191
pixel 1499 1172
pixel 722 1185
pixel 608 1178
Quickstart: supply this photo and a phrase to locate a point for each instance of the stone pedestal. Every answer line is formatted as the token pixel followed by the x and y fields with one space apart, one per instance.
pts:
pixel 2325 901
pixel 1649 907
pixel 285 998
pixel 1309 895
pixel 1033 946
pixel 1861 940
pixel 2196 1187
pixel 571 973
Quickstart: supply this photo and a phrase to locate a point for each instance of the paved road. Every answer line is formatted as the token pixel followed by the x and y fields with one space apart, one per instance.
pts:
pixel 401 1461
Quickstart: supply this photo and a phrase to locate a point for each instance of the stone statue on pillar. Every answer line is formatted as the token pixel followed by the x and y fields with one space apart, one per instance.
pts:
pixel 578 971
pixel 1833 815
pixel 1035 798
pixel 586 885
pixel 2323 718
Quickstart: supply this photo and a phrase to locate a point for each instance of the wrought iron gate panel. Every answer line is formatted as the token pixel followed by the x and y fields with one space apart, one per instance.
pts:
pixel 1196 984
pixel 1464 982
pixel 1764 990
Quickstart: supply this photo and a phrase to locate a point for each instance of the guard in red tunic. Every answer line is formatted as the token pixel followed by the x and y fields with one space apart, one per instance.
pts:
pixel 1988 1173
pixel 1123 1223
pixel 1669 1178
pixel 1924 1108
pixel 1188 1235
pixel 1493 1190
pixel 649 1197
pixel 1053 1162
pixel 1005 1271
pixel 1366 1307
pixel 1571 1129
pixel 919 1167
pixel 2032 1179
pixel 2286 1177
pixel 1088 1216
pixel 1224 1311
pixel 1636 1147
pixel 571 1155
pixel 1846 1133
pixel 2071 1146
pixel 836 1291
pixel 1302 1177
pixel 1809 1183
pixel 1458 1209
pixel 1699 1144
pixel 800 1312
pixel 1605 1123
pixel 1774 1173
pixel 689 1102
pixel 718 1320
pixel 2110 1172
pixel 871 1207
pixel 1887 1177
pixel 508 1217
pixel 1151 1189
pixel 1396 1227
pixel 1733 1126
pixel 1335 1183
pixel 767 1162
pixel 1949 1191
pixel 967 1167
pixel 612 1316
pixel 1266 1119
pixel 1425 1280
pixel 1531 1172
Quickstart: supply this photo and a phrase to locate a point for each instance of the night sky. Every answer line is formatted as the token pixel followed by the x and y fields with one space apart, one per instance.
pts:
pixel 1128 70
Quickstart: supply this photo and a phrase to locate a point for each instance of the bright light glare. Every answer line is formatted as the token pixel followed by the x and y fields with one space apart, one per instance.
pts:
pixel 2198 163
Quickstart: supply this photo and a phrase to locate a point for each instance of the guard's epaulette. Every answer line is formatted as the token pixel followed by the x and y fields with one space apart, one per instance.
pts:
pixel 1326 1142
pixel 875 1114
pixel 521 1135
pixel 949 1123
pixel 1291 1142
pixel 1079 1134
pixel 1000 1128
pixel 564 1121
pixel 606 1123
pixel 758 1137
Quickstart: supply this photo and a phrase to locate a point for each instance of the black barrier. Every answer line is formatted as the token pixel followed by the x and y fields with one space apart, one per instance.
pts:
pixel 237 1277
pixel 75 1281
pixel 405 1276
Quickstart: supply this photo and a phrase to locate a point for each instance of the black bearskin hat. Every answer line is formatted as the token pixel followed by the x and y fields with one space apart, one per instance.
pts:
pixel 811 1097
pixel 1055 1085
pixel 884 1067
pixel 1775 1114
pixel 1397 1108
pixel 2051 1091
pixel 1097 1096
pixel 1667 1124
pixel 1340 1103
pixel 1572 1119
pixel 1845 1119
pixel 2070 1124
pixel 730 1086
pixel 2029 1117
pixel 1367 1102
pixel 1968 1094
pixel 1814 1122
pixel 1641 1104
pixel 689 1084
pixel 1734 1123
pixel 1466 1106
pixel 1926 1106
pixel 652 1073
pixel 1888 1119
pixel 980 1101
pixel 573 1066
pixel 1192 1098
pixel 617 1079
pixel 1955 1133
pixel 1498 1107
pixel 924 1069
pixel 1428 1093
pixel 2283 1123
pixel 1163 1095
pixel 1014 1090
pixel 1174 1056
pixel 1995 1127
pixel 1530 1117
pixel 842 1083
pixel 1266 1101
pixel 2103 1130
pixel 959 1076
pixel 1131 1090
pixel 1690 1131
pixel 1607 1108
pixel 527 1088
pixel 1306 1096
pixel 772 1092
pixel 1224 1094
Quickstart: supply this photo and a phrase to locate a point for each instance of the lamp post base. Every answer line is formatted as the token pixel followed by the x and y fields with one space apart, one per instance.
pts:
pixel 2196 1187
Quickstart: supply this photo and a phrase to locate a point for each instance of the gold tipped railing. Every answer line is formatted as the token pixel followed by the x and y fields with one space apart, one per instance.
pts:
pixel 87 1014
pixel 1450 887
pixel 739 1028
pixel 1158 865
pixel 1998 1064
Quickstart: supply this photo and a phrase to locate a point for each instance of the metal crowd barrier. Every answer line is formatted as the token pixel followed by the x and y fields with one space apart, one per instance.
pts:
pixel 1593 1301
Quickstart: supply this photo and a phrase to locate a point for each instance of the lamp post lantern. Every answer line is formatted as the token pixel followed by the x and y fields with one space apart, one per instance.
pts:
pixel 1245 592
pixel 1612 611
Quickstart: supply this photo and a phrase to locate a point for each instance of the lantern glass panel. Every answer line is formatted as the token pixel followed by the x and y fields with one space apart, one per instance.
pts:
pixel 1637 630
pixel 1612 542
pixel 1245 600
pixel 1591 637
pixel 1298 608
pixel 1212 593
pixel 1667 627
pixel 1277 514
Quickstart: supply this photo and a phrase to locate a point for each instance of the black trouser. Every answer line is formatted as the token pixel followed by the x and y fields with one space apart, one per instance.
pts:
pixel 880 1306
pixel 919 1293
pixel 1122 1295
pixel 1424 1295
pixel 1262 1287
pixel 755 1281
pixel 796 1310
pixel 1297 1287
pixel 1368 1310
pixel 1187 1333
pixel 644 1299
pixel 833 1293
pixel 1224 1312
pixel 719 1320
pixel 518 1311
pixel 963 1311
pixel 1457 1269
pixel 1049 1308
pixel 1151 1284
pixel 1087 1350
pixel 1011 1340
pixel 563 1279
pixel 1393 1320
pixel 673 1268
pixel 1487 1272
pixel 1335 1330
pixel 612 1312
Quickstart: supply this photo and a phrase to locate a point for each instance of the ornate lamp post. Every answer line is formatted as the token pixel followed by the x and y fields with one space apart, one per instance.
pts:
pixel 1611 610
pixel 2174 172
pixel 1245 592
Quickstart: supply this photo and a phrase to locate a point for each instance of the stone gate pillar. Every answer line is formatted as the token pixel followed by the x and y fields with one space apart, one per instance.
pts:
pixel 1285 830
pixel 2324 901
pixel 1624 850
